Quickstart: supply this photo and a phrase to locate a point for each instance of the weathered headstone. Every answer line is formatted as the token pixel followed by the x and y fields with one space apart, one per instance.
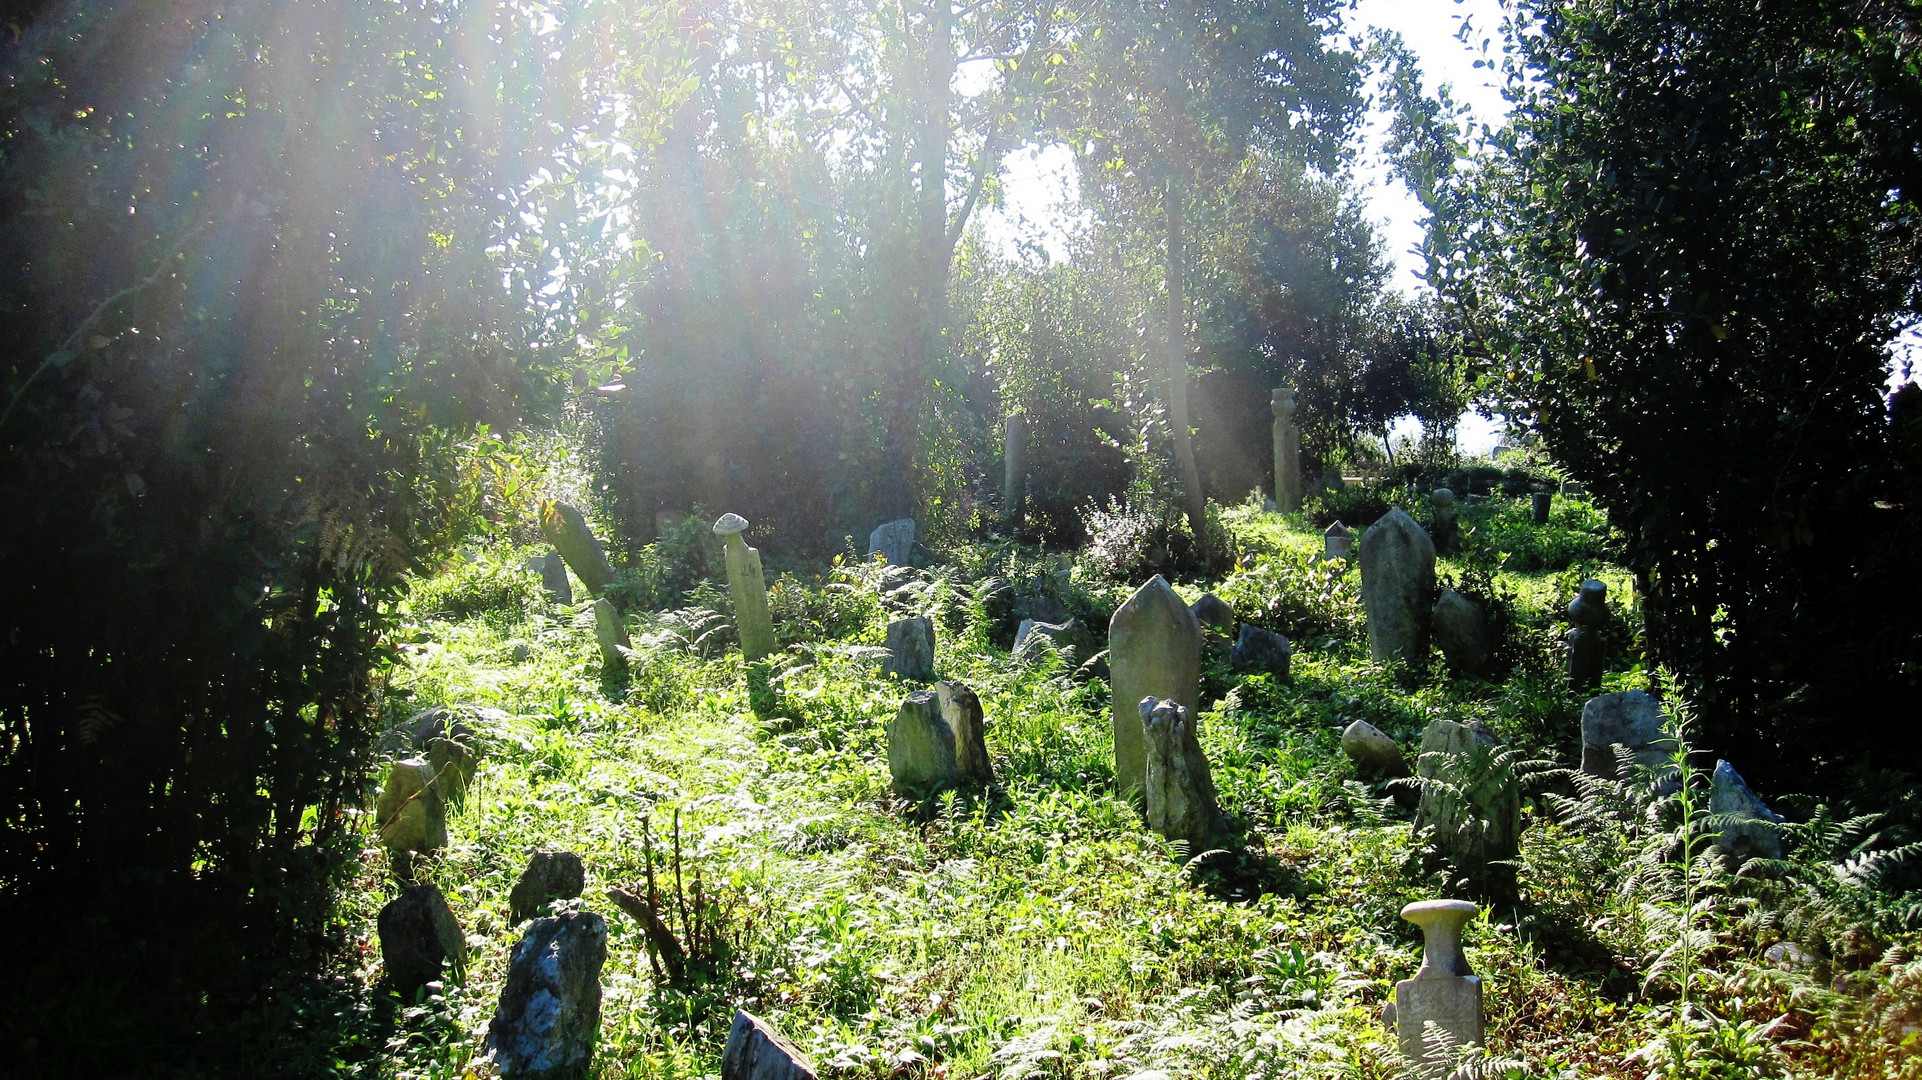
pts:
pixel 567 530
pixel 549 1016
pixel 409 813
pixel 910 649
pixel 1154 651
pixel 553 571
pixel 755 1051
pixel 1261 650
pixel 548 876
pixel 894 540
pixel 1444 991
pixel 1757 834
pixel 1397 584
pixel 1287 451
pixel 609 632
pixel 1332 481
pixel 1372 751
pixel 454 764
pixel 1587 651
pixel 1014 479
pixel 1538 505
pixel 1633 720
pixel 961 708
pixel 1461 630
pixel 1474 808
pixel 1070 637
pixel 1573 489
pixel 419 937
pixel 1443 503
pixel 748 588
pixel 1336 541
pixel 1214 614
pixel 1178 788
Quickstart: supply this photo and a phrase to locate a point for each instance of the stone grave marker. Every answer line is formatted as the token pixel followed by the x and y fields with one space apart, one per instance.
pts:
pixel 755 1051
pixel 548 876
pixel 1154 651
pixel 748 588
pixel 894 540
pixel 1014 462
pixel 410 814
pixel 1573 489
pixel 1261 650
pixel 609 632
pixel 419 937
pixel 1461 630
pixel 1538 506
pixel 935 742
pixel 1178 787
pixel 454 764
pixel 549 1016
pixel 1397 584
pixel 553 571
pixel 1372 751
pixel 1756 835
pixel 1071 637
pixel 1336 542
pixel 910 650
pixel 1587 651
pixel 1478 826
pixel 1287 450
pixel 1443 503
pixel 567 530
pixel 961 708
pixel 1633 720
pixel 1444 991
pixel 1214 614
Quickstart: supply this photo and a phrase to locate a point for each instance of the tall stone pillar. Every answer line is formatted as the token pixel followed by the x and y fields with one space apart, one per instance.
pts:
pixel 1014 455
pixel 1287 451
pixel 748 587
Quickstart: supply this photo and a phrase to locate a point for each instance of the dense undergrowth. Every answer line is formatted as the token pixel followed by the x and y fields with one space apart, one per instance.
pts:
pixel 1037 929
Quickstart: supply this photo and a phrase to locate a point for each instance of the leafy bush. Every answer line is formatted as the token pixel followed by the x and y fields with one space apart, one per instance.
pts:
pixel 1503 532
pixel 662 575
pixel 1360 505
pixel 498 585
pixel 1298 594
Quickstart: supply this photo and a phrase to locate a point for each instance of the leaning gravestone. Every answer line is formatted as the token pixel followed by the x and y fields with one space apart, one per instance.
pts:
pixel 755 1051
pixel 935 742
pixel 1260 650
pixel 1461 630
pixel 1443 502
pixel 1587 651
pixel 418 937
pixel 1068 637
pixel 553 571
pixel 1473 808
pixel 1336 542
pixel 549 1015
pixel 1633 720
pixel 1154 651
pixel 748 588
pixel 409 813
pixel 1756 832
pixel 894 540
pixel 1443 992
pixel 1397 582
pixel 1372 751
pixel 910 650
pixel 1178 788
pixel 609 632
pixel 567 530
pixel 1214 614
pixel 549 876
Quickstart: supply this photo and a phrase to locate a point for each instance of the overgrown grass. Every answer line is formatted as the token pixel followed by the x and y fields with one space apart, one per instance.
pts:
pixel 1037 929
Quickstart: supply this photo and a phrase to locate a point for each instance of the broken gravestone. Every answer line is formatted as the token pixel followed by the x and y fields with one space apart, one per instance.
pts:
pixel 1260 650
pixel 748 587
pixel 1633 720
pixel 1397 583
pixel 567 530
pixel 1470 802
pixel 1214 615
pixel 1461 630
pixel 1755 833
pixel 409 813
pixel 1070 638
pixel 1178 788
pixel 961 708
pixel 609 632
pixel 549 1015
pixel 894 540
pixel 553 571
pixel 1587 651
pixel 755 1051
pixel 1444 992
pixel 910 650
pixel 418 938
pixel 1372 751
pixel 549 876
pixel 935 742
pixel 1154 651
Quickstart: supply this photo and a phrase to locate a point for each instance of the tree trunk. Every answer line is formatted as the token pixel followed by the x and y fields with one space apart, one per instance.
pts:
pixel 1194 500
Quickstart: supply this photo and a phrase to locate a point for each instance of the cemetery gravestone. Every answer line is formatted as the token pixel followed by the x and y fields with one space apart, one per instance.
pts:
pixel 567 530
pixel 1336 541
pixel 748 588
pixel 1461 629
pixel 755 1051
pixel 549 876
pixel 1633 720
pixel 1260 650
pixel 894 540
pixel 1154 651
pixel 1443 502
pixel 1372 751
pixel 1178 788
pixel 609 632
pixel 1070 637
pixel 1015 468
pixel 1287 451
pixel 549 1015
pixel 1444 991
pixel 936 742
pixel 1573 489
pixel 961 708
pixel 418 938
pixel 409 813
pixel 1756 835
pixel 554 578
pixel 1587 651
pixel 910 650
pixel 1214 614
pixel 1397 580
pixel 1538 505
pixel 1475 809
pixel 454 765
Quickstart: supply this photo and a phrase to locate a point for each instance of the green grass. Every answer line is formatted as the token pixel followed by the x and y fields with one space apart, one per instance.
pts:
pixel 1039 929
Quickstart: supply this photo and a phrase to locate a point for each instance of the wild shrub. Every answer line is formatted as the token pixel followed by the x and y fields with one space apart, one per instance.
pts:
pixel 1361 504
pixel 1299 595
pixel 498 585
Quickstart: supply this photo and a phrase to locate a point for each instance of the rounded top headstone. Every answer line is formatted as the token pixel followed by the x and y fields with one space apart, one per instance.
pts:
pixel 1590 606
pixel 1443 497
pixel 730 525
